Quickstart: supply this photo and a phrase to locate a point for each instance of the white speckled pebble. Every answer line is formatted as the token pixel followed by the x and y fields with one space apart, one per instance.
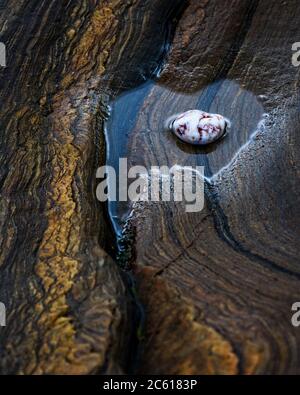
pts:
pixel 198 127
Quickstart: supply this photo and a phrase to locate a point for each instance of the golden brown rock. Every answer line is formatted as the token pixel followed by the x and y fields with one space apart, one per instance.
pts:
pixel 217 286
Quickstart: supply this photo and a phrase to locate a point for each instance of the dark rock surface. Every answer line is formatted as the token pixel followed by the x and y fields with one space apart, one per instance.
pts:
pixel 216 286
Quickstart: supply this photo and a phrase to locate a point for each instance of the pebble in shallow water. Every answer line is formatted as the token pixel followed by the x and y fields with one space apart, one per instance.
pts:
pixel 198 127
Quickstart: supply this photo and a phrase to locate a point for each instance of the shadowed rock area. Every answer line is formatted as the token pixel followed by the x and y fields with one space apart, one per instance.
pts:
pixel 68 310
pixel 216 286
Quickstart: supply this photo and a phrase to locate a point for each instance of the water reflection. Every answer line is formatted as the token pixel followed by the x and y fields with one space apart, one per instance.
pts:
pixel 136 127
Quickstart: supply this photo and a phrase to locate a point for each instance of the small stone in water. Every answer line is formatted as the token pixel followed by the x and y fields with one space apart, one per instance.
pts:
pixel 198 127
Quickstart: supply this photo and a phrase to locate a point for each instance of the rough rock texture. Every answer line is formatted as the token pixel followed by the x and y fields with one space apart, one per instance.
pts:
pixel 193 347
pixel 67 307
pixel 65 299
pixel 216 286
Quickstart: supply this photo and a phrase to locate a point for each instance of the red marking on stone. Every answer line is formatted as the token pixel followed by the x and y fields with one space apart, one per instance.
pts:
pixel 205 115
pixel 207 127
pixel 182 128
pixel 200 133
